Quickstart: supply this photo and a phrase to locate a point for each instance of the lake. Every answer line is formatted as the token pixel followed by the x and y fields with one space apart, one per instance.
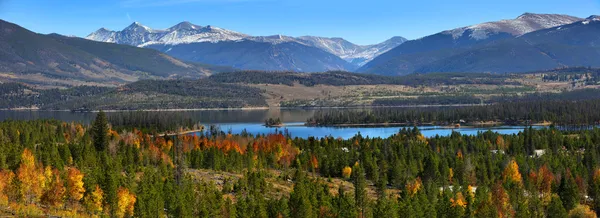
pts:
pixel 252 121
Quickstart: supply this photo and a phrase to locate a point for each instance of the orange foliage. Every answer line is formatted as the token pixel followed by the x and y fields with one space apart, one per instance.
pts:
pixel 125 202
pixel 6 178
pixel 347 172
pixel 596 176
pixel 55 193
pixel 314 162
pixel 413 187
pixel 542 180
pixel 75 184
pixel 511 173
pixel 459 201
pixel 459 154
pixel 285 153
pixel 501 201
pixel 500 142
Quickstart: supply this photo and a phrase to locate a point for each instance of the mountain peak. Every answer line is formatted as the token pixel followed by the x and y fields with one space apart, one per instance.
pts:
pixel 527 15
pixel 137 26
pixel 185 25
pixel 593 17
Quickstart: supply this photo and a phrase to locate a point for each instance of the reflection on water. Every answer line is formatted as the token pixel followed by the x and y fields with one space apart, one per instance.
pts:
pixel 251 120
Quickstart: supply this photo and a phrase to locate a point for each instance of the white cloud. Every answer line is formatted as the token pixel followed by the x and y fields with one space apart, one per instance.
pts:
pixel 128 17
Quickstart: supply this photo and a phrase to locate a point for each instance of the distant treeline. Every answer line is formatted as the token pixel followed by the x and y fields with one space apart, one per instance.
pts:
pixel 428 100
pixel 561 112
pixel 17 95
pixel 581 94
pixel 340 78
pixel 145 94
pixel 151 122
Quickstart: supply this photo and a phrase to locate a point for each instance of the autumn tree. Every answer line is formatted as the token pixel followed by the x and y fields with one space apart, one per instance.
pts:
pixel 6 178
pixel 75 184
pixel 511 173
pixel 125 203
pixel 582 211
pixel 347 172
pixel 93 200
pixel 31 178
pixel 55 190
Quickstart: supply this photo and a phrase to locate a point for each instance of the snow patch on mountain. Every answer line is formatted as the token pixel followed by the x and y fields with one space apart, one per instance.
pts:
pixel 525 23
pixel 185 32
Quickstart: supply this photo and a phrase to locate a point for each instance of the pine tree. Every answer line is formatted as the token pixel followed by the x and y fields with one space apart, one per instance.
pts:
pixel 555 208
pixel 568 191
pixel 360 189
pixel 100 132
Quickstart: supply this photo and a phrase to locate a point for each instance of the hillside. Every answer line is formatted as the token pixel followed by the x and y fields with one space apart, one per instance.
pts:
pixel 55 60
pixel 576 44
pixel 247 54
pixel 413 56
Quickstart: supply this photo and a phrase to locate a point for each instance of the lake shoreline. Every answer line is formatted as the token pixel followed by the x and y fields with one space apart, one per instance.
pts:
pixel 445 125
pixel 252 108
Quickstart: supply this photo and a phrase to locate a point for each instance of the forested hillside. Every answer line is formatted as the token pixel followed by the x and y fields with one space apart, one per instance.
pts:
pixel 52 168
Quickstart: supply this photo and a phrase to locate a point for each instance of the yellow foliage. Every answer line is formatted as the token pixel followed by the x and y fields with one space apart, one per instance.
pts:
pixel 75 184
pixel 30 177
pixel 582 211
pixel 93 201
pixel 55 191
pixel 26 210
pixel 459 201
pixel 450 175
pixel 347 172
pixel 511 173
pixel 125 203
pixel 413 187
pixel 471 190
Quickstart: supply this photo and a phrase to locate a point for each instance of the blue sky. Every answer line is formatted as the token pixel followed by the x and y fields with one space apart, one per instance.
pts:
pixel 361 22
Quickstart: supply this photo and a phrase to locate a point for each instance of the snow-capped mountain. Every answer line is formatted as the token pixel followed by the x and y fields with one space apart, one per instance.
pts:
pixel 413 55
pixel 137 34
pixel 527 22
pixel 356 54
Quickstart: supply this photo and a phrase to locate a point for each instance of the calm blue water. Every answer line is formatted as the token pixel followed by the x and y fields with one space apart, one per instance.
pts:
pixel 298 130
pixel 252 120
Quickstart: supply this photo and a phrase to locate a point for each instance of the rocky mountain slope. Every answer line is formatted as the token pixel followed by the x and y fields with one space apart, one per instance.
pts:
pixel 415 55
pixel 185 39
pixel 55 60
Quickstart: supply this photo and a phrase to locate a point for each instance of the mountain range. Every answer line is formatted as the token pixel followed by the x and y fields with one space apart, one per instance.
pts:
pixel 214 45
pixel 529 42
pixel 56 60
